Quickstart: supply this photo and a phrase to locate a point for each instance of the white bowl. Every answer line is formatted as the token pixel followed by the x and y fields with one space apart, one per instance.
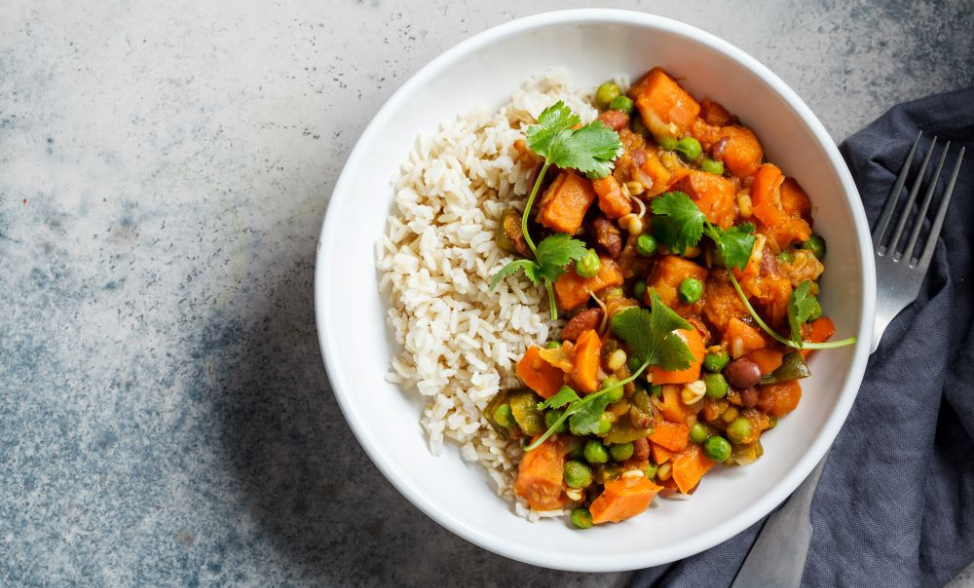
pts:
pixel 592 45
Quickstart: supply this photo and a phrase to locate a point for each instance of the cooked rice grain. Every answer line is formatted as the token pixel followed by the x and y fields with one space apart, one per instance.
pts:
pixel 459 341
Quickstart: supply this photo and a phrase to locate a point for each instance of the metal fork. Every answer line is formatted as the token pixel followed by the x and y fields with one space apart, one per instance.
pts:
pixel 777 558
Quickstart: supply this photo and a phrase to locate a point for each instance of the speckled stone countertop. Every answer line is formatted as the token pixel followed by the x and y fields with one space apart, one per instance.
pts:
pixel 165 419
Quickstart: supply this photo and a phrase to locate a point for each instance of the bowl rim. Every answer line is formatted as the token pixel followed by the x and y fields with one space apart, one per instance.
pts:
pixel 541 557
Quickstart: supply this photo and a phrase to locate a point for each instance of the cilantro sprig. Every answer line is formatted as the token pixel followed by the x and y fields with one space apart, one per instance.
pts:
pixel 590 149
pixel 651 339
pixel 680 224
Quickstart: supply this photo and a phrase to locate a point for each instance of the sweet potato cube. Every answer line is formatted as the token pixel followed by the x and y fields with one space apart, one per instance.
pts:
pixel 658 95
pixel 714 195
pixel 565 203
pixel 540 475
pixel 623 498
pixel 572 290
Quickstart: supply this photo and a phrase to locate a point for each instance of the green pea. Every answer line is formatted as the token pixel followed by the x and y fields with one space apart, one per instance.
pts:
pixel 577 474
pixel 589 265
pixel 645 245
pixel 816 245
pixel 689 148
pixel 668 143
pixel 551 417
pixel 716 386
pixel 595 451
pixel 639 288
pixel 690 290
pixel 634 363
pixel 712 166
pixel 605 423
pixel 656 390
pixel 816 310
pixel 650 470
pixel 503 416
pixel 621 452
pixel 606 93
pixel 773 422
pixel 698 433
pixel 717 448
pixel 553 344
pixel 740 430
pixel 581 518
pixel 621 103
pixel 715 362
pixel 615 394
pixel 786 256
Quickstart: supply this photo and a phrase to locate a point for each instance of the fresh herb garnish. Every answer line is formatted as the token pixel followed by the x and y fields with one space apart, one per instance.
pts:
pixel 651 338
pixel 564 396
pixel 800 308
pixel 680 224
pixel 590 149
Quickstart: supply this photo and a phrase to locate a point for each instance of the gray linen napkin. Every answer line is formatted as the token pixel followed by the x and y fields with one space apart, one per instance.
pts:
pixel 895 505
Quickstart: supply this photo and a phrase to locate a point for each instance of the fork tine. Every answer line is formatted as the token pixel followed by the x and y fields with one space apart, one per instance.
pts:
pixel 894 196
pixel 924 206
pixel 938 222
pixel 905 214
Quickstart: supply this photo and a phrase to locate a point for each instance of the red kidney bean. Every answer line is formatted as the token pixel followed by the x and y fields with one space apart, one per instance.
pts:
pixel 742 373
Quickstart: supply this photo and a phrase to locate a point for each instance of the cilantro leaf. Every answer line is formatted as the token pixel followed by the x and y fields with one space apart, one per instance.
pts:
pixel 590 149
pixel 530 268
pixel 557 251
pixel 585 419
pixel 560 399
pixel 554 124
pixel 734 245
pixel 801 306
pixel 650 336
pixel 678 222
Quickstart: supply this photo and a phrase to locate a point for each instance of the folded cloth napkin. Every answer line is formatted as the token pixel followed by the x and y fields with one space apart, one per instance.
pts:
pixel 895 504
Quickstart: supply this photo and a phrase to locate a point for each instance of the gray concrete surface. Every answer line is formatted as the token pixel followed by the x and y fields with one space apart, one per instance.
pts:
pixel 165 419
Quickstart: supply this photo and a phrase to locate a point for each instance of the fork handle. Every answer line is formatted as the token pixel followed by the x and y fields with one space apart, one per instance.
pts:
pixel 778 556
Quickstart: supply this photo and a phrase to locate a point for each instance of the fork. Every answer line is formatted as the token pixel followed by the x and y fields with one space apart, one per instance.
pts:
pixel 777 558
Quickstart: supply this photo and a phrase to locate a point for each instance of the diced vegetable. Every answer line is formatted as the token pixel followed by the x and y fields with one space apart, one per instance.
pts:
pixel 524 408
pixel 573 290
pixel 622 499
pixel 777 400
pixel 792 367
pixel 695 342
pixel 819 332
pixel 661 454
pixel 768 359
pixel 690 466
pixel 667 276
pixel 742 153
pixel 742 338
pixel 670 405
pixel 659 96
pixel 794 200
pixel 540 475
pixel 584 376
pixel 565 203
pixel 672 436
pixel 714 195
pixel 611 199
pixel 539 375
